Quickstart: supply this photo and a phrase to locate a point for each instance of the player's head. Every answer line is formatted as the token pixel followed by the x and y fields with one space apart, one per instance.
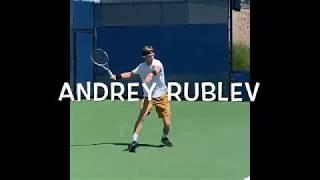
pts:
pixel 148 54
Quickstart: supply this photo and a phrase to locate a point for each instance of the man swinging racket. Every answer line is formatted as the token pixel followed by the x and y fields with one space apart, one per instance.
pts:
pixel 151 71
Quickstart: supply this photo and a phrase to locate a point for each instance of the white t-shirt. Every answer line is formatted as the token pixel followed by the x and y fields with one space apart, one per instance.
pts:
pixel 143 69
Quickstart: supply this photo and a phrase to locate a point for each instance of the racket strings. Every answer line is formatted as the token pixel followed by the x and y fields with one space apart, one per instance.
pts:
pixel 100 57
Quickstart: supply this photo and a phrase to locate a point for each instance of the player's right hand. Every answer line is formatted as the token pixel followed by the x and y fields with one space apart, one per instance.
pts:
pixel 113 77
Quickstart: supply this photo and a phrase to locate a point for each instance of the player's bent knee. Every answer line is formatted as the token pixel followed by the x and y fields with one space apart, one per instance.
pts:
pixel 143 115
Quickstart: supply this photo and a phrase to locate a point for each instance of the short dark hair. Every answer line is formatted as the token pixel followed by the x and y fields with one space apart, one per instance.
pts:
pixel 147 50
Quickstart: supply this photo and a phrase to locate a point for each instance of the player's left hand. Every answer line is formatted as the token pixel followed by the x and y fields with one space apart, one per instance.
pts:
pixel 148 78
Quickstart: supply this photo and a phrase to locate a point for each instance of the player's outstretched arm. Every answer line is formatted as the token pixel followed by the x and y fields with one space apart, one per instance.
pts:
pixel 125 75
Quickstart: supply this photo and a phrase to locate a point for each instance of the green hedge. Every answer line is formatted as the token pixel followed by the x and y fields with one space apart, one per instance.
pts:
pixel 240 57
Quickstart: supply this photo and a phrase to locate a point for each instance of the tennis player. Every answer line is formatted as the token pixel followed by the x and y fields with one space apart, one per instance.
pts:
pixel 151 71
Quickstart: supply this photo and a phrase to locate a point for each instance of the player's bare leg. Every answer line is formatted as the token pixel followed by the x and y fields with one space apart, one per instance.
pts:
pixel 166 129
pixel 137 129
pixel 139 122
pixel 166 125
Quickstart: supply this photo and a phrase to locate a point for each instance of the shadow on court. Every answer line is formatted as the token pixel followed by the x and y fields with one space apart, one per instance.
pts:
pixel 119 144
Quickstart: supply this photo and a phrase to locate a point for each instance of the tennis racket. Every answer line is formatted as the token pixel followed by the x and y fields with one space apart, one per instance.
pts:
pixel 101 58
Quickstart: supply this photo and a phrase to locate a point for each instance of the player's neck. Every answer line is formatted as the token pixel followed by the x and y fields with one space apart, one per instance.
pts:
pixel 149 62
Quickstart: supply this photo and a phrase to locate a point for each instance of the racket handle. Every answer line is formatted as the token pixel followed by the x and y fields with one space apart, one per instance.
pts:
pixel 110 73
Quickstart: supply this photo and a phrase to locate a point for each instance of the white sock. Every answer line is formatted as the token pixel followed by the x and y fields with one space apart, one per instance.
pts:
pixel 135 137
pixel 164 135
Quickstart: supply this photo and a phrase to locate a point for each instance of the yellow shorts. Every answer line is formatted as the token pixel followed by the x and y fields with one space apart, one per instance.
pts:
pixel 161 103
